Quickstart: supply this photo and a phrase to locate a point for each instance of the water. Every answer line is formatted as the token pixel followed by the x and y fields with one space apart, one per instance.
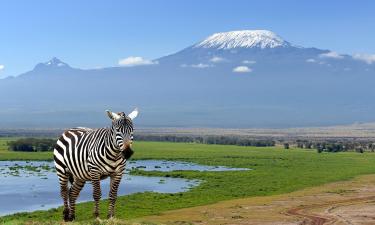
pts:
pixel 29 186
pixel 165 166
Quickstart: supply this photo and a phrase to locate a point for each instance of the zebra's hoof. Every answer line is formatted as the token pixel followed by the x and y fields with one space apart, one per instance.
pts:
pixel 72 217
pixel 110 216
pixel 66 215
pixel 66 218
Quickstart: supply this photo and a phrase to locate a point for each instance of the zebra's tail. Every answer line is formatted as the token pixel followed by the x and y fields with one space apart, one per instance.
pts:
pixel 71 178
pixel 70 175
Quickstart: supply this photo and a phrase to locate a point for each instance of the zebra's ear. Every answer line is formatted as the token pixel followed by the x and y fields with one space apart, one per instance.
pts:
pixel 112 115
pixel 133 114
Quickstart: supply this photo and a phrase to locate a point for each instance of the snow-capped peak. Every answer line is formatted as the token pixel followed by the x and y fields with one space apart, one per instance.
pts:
pixel 243 39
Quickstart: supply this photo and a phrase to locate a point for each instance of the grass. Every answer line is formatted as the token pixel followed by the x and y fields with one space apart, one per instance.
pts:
pixel 275 171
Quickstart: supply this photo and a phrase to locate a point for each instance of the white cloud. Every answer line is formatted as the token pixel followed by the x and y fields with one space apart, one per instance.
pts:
pixel 2 67
pixel 369 59
pixel 248 62
pixel 216 59
pixel 311 60
pixel 135 61
pixel 242 69
pixel 200 65
pixel 333 55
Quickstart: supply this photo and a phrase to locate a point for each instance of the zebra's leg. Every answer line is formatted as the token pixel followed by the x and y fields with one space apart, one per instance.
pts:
pixel 64 192
pixel 97 193
pixel 115 182
pixel 74 191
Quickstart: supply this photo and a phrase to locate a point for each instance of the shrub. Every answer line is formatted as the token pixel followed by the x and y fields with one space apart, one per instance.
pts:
pixel 32 145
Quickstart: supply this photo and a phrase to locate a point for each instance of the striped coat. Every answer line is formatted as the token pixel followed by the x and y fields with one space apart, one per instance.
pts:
pixel 84 154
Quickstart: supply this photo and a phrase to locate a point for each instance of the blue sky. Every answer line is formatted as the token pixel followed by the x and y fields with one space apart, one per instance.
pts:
pixel 90 34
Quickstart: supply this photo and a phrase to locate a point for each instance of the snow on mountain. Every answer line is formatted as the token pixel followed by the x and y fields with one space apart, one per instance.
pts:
pixel 243 39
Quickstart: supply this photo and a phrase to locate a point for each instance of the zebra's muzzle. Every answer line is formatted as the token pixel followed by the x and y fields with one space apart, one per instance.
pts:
pixel 127 151
pixel 127 145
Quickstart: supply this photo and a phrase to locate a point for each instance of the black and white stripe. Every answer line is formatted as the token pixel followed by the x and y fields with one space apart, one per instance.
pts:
pixel 84 154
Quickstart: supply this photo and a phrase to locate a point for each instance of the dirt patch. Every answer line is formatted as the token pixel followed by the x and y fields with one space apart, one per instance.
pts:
pixel 346 202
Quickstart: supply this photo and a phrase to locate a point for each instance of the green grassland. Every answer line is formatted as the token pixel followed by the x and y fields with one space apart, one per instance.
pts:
pixel 275 171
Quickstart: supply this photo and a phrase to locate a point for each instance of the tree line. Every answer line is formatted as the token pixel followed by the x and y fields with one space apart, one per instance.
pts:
pixel 335 145
pixel 47 144
pixel 209 139
pixel 32 144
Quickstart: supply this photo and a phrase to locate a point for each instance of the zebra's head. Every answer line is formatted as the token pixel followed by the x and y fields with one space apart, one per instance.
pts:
pixel 122 129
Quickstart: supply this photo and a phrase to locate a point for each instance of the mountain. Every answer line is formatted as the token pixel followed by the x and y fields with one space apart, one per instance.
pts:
pixel 249 78
pixel 52 67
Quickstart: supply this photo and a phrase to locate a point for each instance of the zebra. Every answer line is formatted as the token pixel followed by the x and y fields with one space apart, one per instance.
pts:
pixel 83 154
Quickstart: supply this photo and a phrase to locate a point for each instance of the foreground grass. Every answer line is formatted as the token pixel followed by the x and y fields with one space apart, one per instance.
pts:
pixel 275 171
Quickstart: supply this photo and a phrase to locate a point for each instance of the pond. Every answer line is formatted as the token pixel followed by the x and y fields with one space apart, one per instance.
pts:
pixel 33 185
